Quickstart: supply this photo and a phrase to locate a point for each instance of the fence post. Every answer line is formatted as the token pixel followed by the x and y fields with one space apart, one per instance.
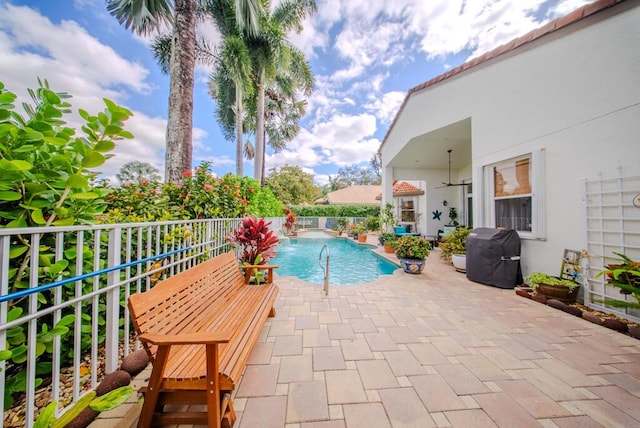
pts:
pixel 113 301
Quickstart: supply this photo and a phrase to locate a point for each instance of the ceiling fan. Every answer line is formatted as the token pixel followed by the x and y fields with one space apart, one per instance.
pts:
pixel 449 183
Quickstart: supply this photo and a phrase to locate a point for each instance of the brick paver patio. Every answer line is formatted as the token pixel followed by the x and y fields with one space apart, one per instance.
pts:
pixel 434 350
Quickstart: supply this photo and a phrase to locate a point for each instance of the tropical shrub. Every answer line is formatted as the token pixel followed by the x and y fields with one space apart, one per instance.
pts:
pixel 255 239
pixel 624 275
pixel 201 195
pixel 47 179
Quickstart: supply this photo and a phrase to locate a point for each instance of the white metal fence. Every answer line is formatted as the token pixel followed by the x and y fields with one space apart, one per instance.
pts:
pixel 62 294
pixel 613 226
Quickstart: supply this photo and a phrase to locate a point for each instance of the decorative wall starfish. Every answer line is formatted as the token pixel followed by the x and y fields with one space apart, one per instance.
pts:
pixel 436 215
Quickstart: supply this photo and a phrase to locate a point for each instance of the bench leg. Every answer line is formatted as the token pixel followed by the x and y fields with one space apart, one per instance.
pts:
pixel 213 387
pixel 272 313
pixel 228 412
pixel 153 389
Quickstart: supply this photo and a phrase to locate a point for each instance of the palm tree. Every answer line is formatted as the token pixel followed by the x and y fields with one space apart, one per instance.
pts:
pixel 233 70
pixel 283 109
pixel 146 16
pixel 272 54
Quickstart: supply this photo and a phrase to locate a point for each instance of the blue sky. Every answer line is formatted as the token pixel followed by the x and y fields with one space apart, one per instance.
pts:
pixel 365 55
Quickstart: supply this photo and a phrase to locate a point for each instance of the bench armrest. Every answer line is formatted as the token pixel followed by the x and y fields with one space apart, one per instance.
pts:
pixel 248 269
pixel 260 267
pixel 203 338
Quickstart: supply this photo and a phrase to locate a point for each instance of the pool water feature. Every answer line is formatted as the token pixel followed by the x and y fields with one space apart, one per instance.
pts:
pixel 349 263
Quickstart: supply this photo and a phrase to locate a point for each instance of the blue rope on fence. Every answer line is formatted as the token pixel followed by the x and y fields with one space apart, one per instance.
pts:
pixel 23 293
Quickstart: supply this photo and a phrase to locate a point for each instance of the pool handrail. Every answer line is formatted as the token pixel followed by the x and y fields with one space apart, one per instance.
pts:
pixel 325 268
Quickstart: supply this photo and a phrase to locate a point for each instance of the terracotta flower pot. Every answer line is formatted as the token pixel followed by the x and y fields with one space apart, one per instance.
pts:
pixel 388 249
pixel 362 238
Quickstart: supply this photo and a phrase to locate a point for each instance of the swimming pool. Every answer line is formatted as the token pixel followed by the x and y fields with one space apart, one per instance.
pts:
pixel 350 263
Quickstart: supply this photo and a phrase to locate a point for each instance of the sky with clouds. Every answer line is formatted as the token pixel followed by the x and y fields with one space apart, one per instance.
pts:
pixel 364 54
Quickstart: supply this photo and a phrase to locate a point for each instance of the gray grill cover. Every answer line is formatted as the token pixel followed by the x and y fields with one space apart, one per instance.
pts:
pixel 493 257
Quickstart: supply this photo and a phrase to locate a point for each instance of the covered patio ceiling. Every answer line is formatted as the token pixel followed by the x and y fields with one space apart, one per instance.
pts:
pixel 429 151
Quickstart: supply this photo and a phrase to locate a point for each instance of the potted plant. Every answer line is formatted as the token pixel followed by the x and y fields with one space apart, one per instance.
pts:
pixel 454 248
pixel 360 231
pixel 387 240
pixel 412 251
pixel 341 225
pixel 553 287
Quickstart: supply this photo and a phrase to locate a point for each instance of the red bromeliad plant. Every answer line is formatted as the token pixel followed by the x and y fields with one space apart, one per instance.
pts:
pixel 290 220
pixel 255 238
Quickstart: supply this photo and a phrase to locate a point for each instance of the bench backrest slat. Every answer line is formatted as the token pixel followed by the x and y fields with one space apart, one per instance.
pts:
pixel 206 287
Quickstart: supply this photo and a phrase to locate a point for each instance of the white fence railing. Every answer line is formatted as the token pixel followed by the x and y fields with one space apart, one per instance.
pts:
pixel 63 292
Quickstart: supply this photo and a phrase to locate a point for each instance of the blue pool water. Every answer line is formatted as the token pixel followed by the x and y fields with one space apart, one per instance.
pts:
pixel 350 263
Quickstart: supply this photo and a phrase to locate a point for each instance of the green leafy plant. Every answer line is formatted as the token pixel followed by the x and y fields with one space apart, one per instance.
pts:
pixel 359 229
pixel 341 224
pixel 106 402
pixel 454 243
pixel 412 247
pixel 349 211
pixel 453 216
pixel 625 276
pixel 386 237
pixel 535 279
pixel 47 178
pixel 372 223
pixel 201 195
pixel 387 218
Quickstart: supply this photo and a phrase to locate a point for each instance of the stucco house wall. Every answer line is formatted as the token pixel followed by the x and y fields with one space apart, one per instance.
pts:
pixel 571 97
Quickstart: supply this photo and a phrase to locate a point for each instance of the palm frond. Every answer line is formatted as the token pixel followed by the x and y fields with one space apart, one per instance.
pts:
pixel 161 50
pixel 142 16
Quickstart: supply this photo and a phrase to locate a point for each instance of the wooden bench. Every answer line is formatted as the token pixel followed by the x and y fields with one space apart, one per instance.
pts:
pixel 199 328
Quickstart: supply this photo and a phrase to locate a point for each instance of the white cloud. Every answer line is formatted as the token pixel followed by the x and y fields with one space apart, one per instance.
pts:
pixel 566 6
pixel 75 62
pixel 385 107
pixel 341 141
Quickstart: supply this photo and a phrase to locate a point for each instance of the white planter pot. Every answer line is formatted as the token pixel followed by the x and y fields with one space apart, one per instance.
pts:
pixel 459 262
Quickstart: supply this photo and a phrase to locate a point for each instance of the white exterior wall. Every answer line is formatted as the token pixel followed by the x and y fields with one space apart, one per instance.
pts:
pixel 575 94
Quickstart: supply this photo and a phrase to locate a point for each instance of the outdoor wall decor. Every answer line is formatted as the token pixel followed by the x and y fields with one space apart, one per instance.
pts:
pixel 571 265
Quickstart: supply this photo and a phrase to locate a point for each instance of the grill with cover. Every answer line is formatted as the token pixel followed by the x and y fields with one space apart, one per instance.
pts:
pixel 493 257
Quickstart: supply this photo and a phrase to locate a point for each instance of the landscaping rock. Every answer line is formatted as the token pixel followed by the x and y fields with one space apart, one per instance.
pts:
pixel 556 304
pixel 83 419
pixel 112 381
pixel 573 311
pixel 592 318
pixel 135 362
pixel 635 332
pixel 539 298
pixel 616 325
